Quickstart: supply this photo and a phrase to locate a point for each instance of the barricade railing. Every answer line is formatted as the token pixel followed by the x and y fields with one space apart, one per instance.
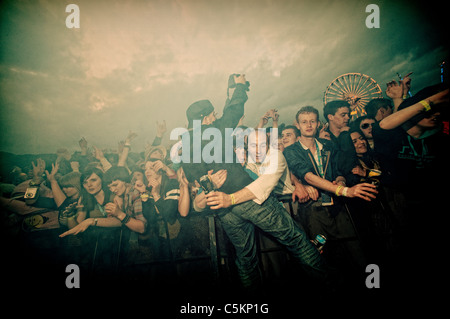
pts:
pixel 217 256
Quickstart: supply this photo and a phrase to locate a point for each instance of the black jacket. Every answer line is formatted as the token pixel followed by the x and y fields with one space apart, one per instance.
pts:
pixel 301 161
pixel 237 178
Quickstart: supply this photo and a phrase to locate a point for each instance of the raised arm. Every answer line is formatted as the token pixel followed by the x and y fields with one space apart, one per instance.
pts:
pixel 126 149
pixel 184 202
pixel 398 118
pixel 234 110
pixel 58 194
pixel 101 157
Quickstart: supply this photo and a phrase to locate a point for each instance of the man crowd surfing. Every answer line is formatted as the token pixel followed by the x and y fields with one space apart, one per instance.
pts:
pixel 373 186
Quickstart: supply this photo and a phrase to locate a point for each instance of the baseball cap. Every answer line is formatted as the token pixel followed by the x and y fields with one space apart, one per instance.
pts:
pixel 198 110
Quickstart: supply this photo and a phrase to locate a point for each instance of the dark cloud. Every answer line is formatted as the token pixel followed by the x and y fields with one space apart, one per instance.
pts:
pixel 135 62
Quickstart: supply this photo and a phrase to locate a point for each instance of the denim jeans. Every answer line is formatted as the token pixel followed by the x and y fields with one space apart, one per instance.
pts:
pixel 271 217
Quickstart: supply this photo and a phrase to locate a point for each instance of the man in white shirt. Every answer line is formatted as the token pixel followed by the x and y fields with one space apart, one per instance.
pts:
pixel 255 205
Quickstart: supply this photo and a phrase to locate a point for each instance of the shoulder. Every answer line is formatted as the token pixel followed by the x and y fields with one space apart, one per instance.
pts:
pixel 172 190
pixel 393 136
pixel 133 194
pixel 172 183
pixel 293 148
pixel 328 145
pixel 324 141
pixel 294 152
pixel 171 186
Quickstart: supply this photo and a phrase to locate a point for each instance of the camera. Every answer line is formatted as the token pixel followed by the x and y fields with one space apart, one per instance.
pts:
pixel 31 192
pixel 31 195
pixel 207 184
pixel 232 83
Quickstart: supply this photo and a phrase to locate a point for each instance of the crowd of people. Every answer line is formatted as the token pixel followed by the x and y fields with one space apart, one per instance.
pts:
pixel 369 186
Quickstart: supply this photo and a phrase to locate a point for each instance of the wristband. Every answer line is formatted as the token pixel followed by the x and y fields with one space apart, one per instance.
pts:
pixel 338 190
pixel 426 105
pixel 344 192
pixel 126 219
pixel 233 199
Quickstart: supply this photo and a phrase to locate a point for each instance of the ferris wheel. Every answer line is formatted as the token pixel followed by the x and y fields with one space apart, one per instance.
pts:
pixel 355 88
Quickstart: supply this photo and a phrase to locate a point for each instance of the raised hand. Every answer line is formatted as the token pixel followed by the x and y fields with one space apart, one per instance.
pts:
pixel 161 128
pixel 51 176
pixel 218 178
pixel 38 169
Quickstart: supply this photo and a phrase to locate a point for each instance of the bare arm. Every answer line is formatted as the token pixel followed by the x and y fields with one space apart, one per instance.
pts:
pixel 218 200
pixel 184 201
pixel 133 224
pixel 85 224
pixel 58 194
pixel 126 149
pixel 364 190
pixel 398 118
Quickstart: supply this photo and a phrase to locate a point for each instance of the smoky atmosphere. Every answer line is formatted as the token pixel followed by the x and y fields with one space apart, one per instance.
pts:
pixel 133 177
pixel 130 64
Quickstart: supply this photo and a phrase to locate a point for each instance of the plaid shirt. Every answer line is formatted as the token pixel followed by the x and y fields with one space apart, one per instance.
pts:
pixel 133 205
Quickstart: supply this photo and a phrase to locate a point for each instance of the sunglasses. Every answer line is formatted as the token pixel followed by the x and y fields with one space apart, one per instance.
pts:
pixel 366 125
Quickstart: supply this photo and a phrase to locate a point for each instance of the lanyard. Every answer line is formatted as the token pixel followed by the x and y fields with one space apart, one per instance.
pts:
pixel 424 148
pixel 101 209
pixel 419 158
pixel 319 160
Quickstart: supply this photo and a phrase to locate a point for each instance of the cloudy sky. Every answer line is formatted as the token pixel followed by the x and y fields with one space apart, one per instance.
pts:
pixel 132 63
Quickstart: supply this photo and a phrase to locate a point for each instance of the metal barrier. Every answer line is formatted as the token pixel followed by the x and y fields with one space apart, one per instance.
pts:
pixel 217 255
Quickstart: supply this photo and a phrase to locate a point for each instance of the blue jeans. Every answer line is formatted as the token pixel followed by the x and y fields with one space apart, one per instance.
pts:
pixel 239 224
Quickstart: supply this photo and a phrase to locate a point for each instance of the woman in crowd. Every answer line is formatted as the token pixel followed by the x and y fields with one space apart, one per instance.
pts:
pixel 105 239
pixel 160 203
pixel 66 193
pixel 373 220
pixel 127 202
pixel 94 196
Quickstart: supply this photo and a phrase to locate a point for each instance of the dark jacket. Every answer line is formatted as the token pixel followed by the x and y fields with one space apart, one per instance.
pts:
pixel 237 178
pixel 301 161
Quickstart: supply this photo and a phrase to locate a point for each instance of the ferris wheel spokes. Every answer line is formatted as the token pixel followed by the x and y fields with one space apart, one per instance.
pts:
pixel 355 88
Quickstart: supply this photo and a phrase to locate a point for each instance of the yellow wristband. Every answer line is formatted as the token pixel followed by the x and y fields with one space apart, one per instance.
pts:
pixel 426 105
pixel 338 190
pixel 233 199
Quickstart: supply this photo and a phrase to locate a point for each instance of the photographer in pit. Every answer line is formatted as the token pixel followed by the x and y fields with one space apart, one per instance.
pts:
pixel 238 208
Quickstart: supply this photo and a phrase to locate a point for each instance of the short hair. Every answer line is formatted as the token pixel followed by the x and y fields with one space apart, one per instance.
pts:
pixel 294 128
pixel 331 107
pixel 375 104
pixel 356 123
pixel 117 173
pixel 307 109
